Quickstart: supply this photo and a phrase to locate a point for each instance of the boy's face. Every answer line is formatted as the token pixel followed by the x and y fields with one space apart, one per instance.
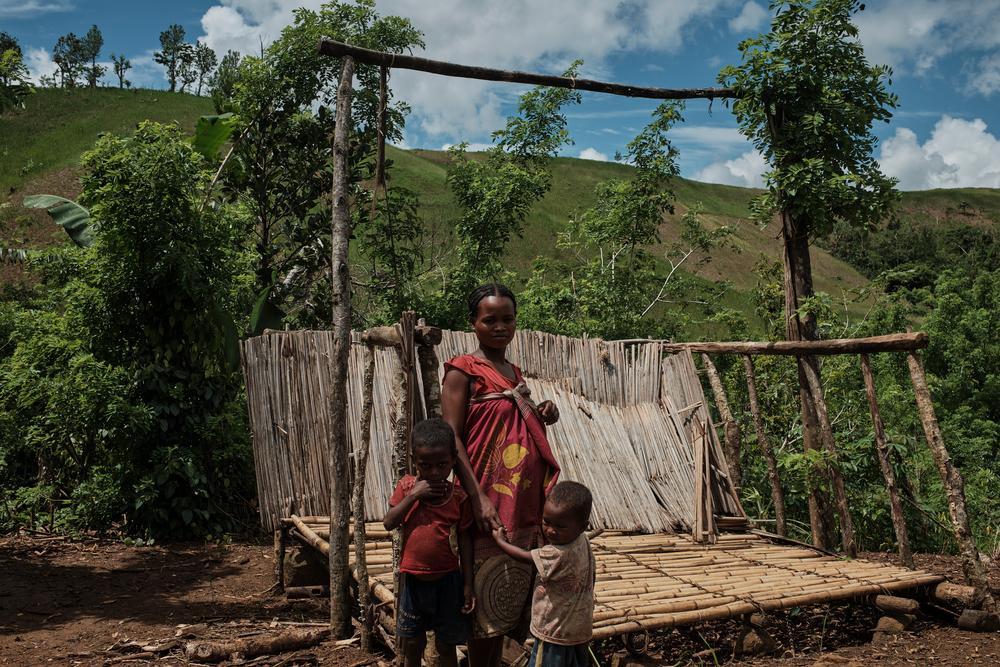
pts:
pixel 559 524
pixel 433 464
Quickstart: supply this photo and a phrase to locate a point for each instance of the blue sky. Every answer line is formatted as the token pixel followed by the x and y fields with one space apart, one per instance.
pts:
pixel 946 56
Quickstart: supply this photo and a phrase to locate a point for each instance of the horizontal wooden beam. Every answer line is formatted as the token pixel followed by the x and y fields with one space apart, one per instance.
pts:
pixel 330 47
pixel 900 342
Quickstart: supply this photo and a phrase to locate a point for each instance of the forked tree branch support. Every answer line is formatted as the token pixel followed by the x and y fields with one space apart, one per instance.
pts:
pixel 330 47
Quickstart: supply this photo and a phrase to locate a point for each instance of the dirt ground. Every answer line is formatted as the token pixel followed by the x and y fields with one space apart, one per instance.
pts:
pixel 104 603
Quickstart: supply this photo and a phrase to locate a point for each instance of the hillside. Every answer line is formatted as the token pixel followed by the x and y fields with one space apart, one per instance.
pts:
pixel 42 145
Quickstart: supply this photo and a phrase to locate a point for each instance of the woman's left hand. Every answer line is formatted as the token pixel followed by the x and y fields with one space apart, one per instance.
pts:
pixel 549 412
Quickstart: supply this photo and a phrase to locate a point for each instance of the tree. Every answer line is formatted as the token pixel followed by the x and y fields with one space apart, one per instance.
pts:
pixel 68 56
pixel 91 45
pixel 9 43
pixel 171 49
pixel 122 65
pixel 807 98
pixel 14 85
pixel 205 61
pixel 223 81
pixel 187 70
pixel 281 164
pixel 613 284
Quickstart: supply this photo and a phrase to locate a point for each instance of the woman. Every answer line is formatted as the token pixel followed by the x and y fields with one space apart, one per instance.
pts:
pixel 504 463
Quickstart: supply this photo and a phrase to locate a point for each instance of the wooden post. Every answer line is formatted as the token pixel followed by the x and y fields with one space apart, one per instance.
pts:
pixel 954 486
pixel 361 465
pixel 428 358
pixel 833 467
pixel 898 520
pixel 777 495
pixel 402 425
pixel 730 428
pixel 340 507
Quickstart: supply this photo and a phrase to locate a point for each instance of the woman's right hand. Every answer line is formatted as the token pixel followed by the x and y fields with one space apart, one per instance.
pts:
pixel 486 515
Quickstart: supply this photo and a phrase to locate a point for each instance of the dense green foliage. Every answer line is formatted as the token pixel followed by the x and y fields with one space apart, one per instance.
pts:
pixel 120 393
pixel 121 406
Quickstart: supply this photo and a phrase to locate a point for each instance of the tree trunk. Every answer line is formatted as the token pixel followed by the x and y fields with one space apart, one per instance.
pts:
pixel 895 505
pixel 340 508
pixel 777 495
pixel 798 286
pixel 730 429
pixel 954 486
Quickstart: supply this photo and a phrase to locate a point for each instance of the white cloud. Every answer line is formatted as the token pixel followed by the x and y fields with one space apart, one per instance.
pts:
pixel 519 34
pixel 912 35
pixel 959 153
pixel 593 154
pixel 751 17
pixel 20 9
pixel 985 75
pixel 747 171
pixel 39 63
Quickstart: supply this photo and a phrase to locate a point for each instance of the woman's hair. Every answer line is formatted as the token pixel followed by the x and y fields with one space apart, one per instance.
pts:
pixel 573 496
pixel 489 289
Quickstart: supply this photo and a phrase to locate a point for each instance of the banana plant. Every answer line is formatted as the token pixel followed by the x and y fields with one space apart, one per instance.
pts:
pixel 66 213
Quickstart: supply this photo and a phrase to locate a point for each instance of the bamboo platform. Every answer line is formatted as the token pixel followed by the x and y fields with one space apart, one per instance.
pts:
pixel 645 582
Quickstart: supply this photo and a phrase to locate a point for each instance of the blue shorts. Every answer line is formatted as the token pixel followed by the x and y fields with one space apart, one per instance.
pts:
pixel 433 605
pixel 544 654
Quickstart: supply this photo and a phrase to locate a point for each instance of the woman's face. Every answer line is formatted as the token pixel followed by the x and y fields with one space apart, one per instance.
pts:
pixel 495 322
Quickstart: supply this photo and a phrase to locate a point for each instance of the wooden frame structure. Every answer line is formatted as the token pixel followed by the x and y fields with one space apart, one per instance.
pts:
pixel 813 403
pixel 646 581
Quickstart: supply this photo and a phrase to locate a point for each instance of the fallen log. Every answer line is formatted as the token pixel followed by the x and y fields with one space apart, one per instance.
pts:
pixel 252 647
pixel 896 605
pixel 955 595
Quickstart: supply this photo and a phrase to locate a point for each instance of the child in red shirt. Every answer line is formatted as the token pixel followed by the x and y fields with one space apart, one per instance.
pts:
pixel 436 593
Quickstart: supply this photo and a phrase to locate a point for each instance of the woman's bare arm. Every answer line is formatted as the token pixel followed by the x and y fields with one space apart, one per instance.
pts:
pixel 454 403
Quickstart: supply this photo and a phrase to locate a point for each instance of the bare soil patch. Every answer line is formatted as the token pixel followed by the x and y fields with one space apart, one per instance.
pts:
pixel 89 603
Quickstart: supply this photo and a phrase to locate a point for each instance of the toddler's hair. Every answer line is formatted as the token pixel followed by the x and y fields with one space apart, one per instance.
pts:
pixel 434 433
pixel 575 497
pixel 489 289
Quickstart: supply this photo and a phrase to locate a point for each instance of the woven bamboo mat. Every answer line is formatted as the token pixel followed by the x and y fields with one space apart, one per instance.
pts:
pixel 662 580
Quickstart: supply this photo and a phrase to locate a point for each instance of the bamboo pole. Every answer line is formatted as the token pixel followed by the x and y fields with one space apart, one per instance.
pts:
pixel 898 520
pixel 954 486
pixel 330 47
pixel 730 427
pixel 777 494
pixel 340 611
pixel 361 465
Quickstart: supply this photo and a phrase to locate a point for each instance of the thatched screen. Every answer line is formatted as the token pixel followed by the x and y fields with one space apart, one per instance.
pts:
pixel 628 415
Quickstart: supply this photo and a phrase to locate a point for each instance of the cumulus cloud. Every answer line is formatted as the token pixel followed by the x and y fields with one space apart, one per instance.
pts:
pixel 958 154
pixel 39 63
pixel 913 35
pixel 519 34
pixel 751 17
pixel 593 154
pixel 747 171
pixel 22 9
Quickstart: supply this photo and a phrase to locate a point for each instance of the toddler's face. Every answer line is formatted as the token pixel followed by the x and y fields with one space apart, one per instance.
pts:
pixel 433 464
pixel 559 524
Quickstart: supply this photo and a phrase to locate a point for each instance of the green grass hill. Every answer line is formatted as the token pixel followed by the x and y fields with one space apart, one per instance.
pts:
pixel 41 147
